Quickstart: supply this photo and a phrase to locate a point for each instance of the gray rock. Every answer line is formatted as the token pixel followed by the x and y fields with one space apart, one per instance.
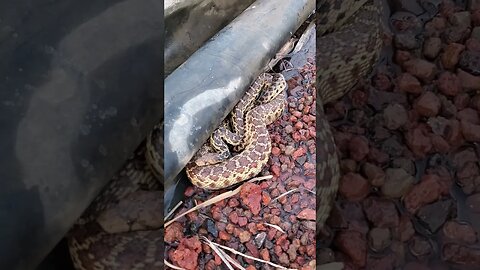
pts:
pixel 406 41
pixel 397 183
pixel 470 62
pixel 432 47
pixel 395 116
pixel 434 215
pixel 260 239
pixel 379 239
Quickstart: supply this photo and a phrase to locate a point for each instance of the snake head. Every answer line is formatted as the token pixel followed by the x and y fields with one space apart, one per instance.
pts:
pixel 208 159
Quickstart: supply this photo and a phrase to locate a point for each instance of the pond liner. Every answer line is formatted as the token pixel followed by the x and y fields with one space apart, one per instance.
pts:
pixel 190 23
pixel 201 92
pixel 81 86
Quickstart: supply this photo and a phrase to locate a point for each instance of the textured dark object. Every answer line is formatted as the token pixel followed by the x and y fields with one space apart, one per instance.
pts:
pixel 81 86
pixel 190 23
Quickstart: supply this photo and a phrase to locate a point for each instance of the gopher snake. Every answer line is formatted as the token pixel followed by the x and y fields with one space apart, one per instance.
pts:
pixel 256 145
pixel 115 235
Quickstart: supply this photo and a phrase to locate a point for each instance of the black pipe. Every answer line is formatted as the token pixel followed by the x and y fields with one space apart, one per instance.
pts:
pixel 190 23
pixel 204 89
pixel 81 86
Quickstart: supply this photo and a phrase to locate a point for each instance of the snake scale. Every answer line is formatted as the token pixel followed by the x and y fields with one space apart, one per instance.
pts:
pixel 122 228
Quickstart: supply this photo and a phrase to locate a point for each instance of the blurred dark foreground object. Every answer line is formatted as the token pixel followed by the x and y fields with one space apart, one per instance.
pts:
pixel 81 85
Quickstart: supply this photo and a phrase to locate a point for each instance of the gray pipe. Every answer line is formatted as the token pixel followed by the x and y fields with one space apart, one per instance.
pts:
pixel 204 89
pixel 80 89
pixel 190 23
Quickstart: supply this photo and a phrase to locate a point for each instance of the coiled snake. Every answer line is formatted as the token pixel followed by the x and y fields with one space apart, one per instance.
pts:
pixel 122 228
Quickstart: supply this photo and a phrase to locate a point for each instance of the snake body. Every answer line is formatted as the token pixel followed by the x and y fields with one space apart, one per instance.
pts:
pixel 340 64
pixel 116 235
pixel 256 144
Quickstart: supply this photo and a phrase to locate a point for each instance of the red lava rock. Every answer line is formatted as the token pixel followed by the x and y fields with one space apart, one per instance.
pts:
pixel 383 263
pixel 473 44
pixel 449 84
pixel 459 233
pixel 174 232
pixel 378 156
pixel 359 98
pixel 476 15
pixel 425 192
pixel 418 140
pixel 468 115
pixel 409 84
pixel 233 217
pixel 463 157
pixel 454 135
pixel 473 203
pixel 342 139
pixel 348 165
pixel 251 195
pixel 395 116
pixel 275 169
pixel 428 104
pixel 405 230
pixel 420 247
pixel 298 153
pixel 475 102
pixel 244 236
pixel 189 191
pixel 186 254
pixel 242 221
pixel 471 132
pixel 276 151
pixel 460 254
pixel 451 55
pixel 358 148
pixel 266 199
pixel 298 125
pixel 308 214
pixel 382 82
pixel 253 249
pixel 354 187
pixel 381 212
pixel 421 69
pixel 374 174
pixel 224 235
pixel 445 178
pixel 469 81
pixel 216 212
pixel 416 266
pixel 461 101
pixel 265 255
pixel 435 26
pixel 354 244
pixel 440 144
pixel 402 56
pixel 468 177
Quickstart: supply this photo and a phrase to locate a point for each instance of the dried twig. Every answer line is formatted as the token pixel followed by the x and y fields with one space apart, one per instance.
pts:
pixel 274 226
pixel 173 210
pixel 250 257
pixel 213 200
pixel 284 194
pixel 171 265
pixel 219 252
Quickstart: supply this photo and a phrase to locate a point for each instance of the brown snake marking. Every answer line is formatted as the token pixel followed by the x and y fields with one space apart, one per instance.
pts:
pixel 256 145
pixel 343 57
